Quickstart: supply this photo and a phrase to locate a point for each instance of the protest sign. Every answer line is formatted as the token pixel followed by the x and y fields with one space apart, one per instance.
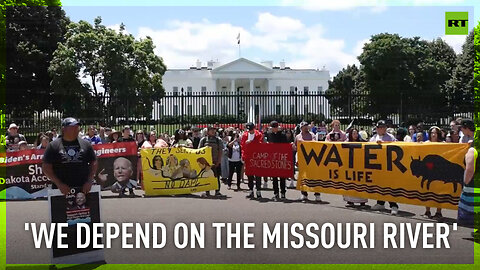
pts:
pixel 269 160
pixel 24 175
pixel 429 174
pixel 125 156
pixel 74 208
pixel 168 171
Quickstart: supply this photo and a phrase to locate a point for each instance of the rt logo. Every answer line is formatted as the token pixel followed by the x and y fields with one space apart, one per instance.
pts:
pixel 456 23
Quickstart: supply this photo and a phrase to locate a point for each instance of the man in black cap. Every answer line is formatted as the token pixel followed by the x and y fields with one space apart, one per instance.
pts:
pixel 277 136
pixel 216 144
pixel 383 136
pixel 70 161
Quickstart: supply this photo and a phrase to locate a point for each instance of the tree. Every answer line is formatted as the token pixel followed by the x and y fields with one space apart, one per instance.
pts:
pixel 477 76
pixel 400 72
pixel 341 89
pixel 3 10
pixel 459 87
pixel 114 65
pixel 32 36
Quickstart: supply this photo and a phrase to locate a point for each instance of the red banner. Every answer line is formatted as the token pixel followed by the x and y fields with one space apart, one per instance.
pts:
pixel 269 160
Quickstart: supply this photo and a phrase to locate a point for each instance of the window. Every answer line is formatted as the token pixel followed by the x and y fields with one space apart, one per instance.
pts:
pixel 175 91
pixel 278 109
pixel 292 90
pixel 189 90
pixel 278 88
pixel 204 90
pixel 175 110
pixel 320 89
pixel 305 90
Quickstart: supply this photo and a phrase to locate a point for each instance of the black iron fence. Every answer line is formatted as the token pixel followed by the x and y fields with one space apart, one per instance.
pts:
pixel 182 109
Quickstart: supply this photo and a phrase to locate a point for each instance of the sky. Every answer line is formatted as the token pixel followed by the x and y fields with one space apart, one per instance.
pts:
pixel 304 34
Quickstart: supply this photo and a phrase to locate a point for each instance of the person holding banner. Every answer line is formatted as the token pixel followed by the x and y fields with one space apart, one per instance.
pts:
pixel 216 144
pixel 306 135
pixel 249 139
pixel 468 209
pixel 383 136
pixel 435 135
pixel 70 161
pixel 276 136
pixel 354 136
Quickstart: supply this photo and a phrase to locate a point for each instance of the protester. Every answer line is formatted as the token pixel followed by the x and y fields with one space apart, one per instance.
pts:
pixel 217 149
pixel 22 146
pixel 13 138
pixel 411 132
pixel 44 140
pixel 151 140
pixel 126 136
pixel 383 136
pixel 235 163
pixel 69 161
pixel 336 134
pixel 420 129
pixel 139 138
pixel 181 139
pixel 354 136
pixel 106 133
pixel 434 134
pixel 467 126
pixel 114 136
pixel 275 135
pixel 38 139
pixel 250 139
pixel 224 163
pixel 195 137
pixel 91 137
pixel 303 136
pixel 468 212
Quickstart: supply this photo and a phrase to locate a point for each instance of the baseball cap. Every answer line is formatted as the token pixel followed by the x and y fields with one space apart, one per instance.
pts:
pixel 211 127
pixel 69 122
pixel 274 124
pixel 302 124
pixel 250 125
pixel 126 127
pixel 13 125
pixel 381 123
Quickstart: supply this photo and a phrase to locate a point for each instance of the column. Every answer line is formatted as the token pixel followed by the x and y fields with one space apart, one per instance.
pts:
pixel 232 85
pixel 251 110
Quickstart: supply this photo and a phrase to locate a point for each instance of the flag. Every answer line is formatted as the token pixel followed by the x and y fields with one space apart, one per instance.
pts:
pixel 238 38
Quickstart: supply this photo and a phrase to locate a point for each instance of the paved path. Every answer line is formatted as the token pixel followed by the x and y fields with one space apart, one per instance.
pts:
pixel 236 208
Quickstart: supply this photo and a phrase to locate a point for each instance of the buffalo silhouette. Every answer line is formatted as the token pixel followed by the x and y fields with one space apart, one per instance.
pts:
pixel 436 168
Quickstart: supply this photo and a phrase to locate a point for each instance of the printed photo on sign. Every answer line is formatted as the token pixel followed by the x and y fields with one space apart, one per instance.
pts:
pixel 168 171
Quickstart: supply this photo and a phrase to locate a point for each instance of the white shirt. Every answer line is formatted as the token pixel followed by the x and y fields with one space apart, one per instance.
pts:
pixel 235 153
pixel 251 136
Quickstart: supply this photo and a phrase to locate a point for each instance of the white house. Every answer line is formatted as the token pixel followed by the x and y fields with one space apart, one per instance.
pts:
pixel 271 88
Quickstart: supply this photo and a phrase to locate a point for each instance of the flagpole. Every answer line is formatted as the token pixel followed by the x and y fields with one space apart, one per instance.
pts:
pixel 239 52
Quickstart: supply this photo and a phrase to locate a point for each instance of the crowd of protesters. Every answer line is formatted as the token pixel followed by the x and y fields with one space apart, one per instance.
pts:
pixel 228 147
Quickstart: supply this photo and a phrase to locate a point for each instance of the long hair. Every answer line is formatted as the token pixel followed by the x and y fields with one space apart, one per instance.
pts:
pixel 203 161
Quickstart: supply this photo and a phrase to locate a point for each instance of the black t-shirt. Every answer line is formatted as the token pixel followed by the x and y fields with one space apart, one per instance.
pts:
pixel 278 137
pixel 129 139
pixel 70 160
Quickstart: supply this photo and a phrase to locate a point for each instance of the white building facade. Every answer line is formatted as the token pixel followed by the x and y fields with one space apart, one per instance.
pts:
pixel 261 88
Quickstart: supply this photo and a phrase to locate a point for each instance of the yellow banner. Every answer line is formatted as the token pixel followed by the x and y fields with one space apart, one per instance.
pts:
pixel 429 174
pixel 170 171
